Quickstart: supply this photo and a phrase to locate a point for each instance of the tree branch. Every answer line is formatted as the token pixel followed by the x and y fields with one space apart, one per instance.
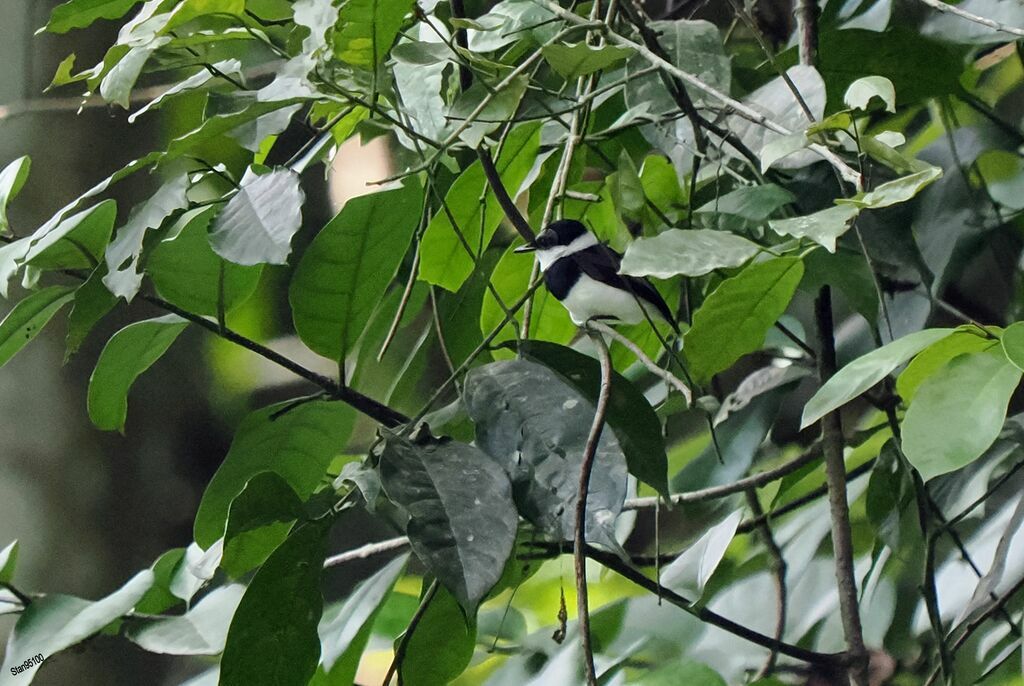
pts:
pixel 579 532
pixel 964 14
pixel 664 374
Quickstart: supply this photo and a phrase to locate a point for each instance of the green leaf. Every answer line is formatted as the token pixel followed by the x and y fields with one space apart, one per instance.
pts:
pixel 123 277
pixel 220 124
pixel 346 627
pixel 549 320
pixel 783 146
pixel 690 572
pixel 933 358
pixel 571 60
pixel 78 14
pixel 77 242
pixel 1013 344
pixel 864 372
pixel 629 414
pixel 441 646
pixel 859 94
pixel 687 672
pixel 92 301
pixel 298 445
pixel 943 429
pixel 28 317
pixel 200 631
pixel 349 265
pixel 159 597
pixel 257 224
pixel 735 318
pixel 500 106
pixel 752 203
pixel 199 79
pixel 525 414
pixel 823 227
pixel 258 521
pixel 12 179
pixel 694 46
pixel 893 192
pixel 444 261
pixel 462 522
pixel 690 253
pixel 186 271
pixel 116 85
pixel 273 637
pixel 128 353
pixel 366 30
pixel 8 560
pixel 54 622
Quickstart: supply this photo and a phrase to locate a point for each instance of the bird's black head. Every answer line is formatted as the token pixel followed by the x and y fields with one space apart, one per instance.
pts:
pixel 556 234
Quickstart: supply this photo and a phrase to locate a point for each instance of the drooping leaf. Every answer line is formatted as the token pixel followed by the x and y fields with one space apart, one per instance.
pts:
pixel 259 520
pixel 298 445
pixel 858 96
pixel 257 224
pixel 572 60
pixel 782 147
pixel 128 353
pixel 8 560
pixel 462 521
pixel 689 573
pixel 273 634
pixel 187 273
pixel 629 414
pixel 442 645
pixel 123 277
pixel 690 253
pixel 1013 344
pixel 12 179
pixel 159 597
pixel 893 192
pixel 200 631
pixel 348 266
pixel 525 415
pixel 230 67
pixel 78 14
pixel 77 242
pixel 54 622
pixel 345 628
pixel 92 301
pixel 117 84
pixel 933 358
pixel 28 317
pixel 366 29
pixel 444 260
pixel 943 430
pixel 823 227
pixel 736 316
pixel 864 372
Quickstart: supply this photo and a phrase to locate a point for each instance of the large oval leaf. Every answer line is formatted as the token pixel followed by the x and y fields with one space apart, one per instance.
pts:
pixel 442 645
pixel 297 445
pixel 944 428
pixel 462 522
pixel 273 635
pixel 257 224
pixel 629 414
pixel 536 425
pixel 690 253
pixel 864 372
pixel 127 354
pixel 348 266
pixel 735 318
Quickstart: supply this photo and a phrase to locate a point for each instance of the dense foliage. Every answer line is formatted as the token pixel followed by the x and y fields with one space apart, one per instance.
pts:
pixel 818 478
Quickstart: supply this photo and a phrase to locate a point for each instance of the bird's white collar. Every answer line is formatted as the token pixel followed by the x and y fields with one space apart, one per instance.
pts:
pixel 548 256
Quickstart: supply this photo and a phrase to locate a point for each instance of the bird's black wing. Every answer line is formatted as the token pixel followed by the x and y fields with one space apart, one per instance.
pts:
pixel 601 263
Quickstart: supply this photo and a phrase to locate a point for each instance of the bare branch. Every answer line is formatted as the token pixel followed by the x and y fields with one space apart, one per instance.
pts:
pixel 969 16
pixel 652 366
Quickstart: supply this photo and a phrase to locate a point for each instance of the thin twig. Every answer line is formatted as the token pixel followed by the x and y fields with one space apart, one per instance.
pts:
pixel 368 550
pixel 778 567
pixel 646 361
pixel 403 644
pixel 579 532
pixel 839 507
pixel 964 14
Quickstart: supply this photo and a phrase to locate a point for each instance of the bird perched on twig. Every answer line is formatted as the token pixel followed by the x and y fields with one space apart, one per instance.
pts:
pixel 583 274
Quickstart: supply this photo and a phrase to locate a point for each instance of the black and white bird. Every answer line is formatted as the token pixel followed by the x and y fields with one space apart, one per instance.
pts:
pixel 583 274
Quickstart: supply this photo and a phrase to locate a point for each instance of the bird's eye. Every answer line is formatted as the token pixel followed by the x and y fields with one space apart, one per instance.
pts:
pixel 544 240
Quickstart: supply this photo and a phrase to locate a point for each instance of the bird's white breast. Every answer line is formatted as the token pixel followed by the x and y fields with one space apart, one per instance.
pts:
pixel 590 298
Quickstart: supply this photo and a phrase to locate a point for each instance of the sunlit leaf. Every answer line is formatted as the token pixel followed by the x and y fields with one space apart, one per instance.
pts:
pixel 736 316
pixel 12 179
pixel 200 631
pixel 893 192
pixel 8 560
pixel 859 94
pixel 823 227
pixel 933 358
pixel 690 253
pixel 689 573
pixel 366 29
pixel 78 14
pixel 257 224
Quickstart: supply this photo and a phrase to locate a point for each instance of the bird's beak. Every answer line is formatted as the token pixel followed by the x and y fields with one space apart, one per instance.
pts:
pixel 525 248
